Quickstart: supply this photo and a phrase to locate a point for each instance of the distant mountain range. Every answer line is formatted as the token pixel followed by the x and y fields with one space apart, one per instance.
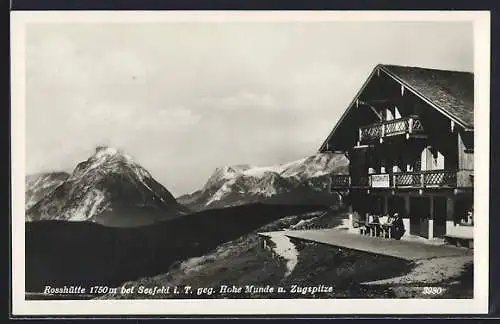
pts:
pixel 108 188
pixel 305 181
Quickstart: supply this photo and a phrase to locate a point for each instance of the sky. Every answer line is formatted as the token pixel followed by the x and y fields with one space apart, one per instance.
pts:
pixel 185 98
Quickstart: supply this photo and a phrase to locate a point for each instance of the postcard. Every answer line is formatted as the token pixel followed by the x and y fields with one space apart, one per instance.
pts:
pixel 250 163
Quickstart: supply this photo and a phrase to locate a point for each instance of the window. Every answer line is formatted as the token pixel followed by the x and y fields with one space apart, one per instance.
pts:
pixel 396 113
pixel 438 161
pixel 431 159
pixel 388 115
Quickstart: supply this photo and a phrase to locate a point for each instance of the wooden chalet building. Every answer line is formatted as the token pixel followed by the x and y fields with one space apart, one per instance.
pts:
pixel 409 137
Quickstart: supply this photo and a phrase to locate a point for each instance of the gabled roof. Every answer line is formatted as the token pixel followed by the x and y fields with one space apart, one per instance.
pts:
pixel 450 92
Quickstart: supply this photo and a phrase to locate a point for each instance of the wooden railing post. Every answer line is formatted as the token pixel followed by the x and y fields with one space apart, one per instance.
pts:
pixel 359 134
pixel 410 125
pixel 422 180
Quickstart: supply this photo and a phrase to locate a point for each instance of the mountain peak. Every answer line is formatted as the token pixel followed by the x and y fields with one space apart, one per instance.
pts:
pixel 103 152
pixel 108 183
pixel 225 173
pixel 104 149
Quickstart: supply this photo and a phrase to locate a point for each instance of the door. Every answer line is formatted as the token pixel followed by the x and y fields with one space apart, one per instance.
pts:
pixel 439 216
pixel 358 167
pixel 419 216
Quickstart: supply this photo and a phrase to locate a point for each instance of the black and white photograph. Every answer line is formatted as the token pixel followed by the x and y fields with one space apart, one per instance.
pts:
pixel 277 162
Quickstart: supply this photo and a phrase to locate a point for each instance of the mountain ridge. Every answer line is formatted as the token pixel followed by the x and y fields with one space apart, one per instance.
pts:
pixel 108 183
pixel 240 184
pixel 40 184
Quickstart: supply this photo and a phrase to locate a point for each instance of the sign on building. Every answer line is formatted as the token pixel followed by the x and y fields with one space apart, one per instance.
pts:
pixel 380 180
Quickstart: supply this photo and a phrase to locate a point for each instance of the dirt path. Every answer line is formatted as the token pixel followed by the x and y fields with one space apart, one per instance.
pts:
pixel 285 249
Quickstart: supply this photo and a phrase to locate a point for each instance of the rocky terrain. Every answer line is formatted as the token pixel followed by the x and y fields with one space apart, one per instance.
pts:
pixel 305 181
pixel 41 184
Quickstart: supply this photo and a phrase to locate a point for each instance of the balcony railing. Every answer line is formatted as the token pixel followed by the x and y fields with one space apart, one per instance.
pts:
pixel 341 180
pixel 420 179
pixel 431 178
pixel 346 181
pixel 405 125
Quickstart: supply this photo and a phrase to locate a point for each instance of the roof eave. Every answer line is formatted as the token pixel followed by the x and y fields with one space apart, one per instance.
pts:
pixel 349 107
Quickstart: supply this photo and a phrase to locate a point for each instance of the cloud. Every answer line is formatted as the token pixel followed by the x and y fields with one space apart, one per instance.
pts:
pixel 241 100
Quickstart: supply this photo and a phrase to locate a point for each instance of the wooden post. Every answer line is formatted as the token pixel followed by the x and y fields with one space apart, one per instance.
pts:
pixel 450 214
pixel 410 125
pixel 386 205
pixel 430 232
pixel 406 216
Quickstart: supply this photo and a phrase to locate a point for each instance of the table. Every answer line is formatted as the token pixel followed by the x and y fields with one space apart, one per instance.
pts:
pixel 386 230
pixel 373 228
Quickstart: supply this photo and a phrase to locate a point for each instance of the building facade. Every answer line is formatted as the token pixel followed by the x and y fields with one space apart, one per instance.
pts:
pixel 409 137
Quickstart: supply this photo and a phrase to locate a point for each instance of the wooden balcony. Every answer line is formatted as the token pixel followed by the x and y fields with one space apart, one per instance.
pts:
pixel 432 178
pixel 408 126
pixel 421 179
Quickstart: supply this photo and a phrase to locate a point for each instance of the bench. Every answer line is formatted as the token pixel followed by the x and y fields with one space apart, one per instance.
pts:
pixel 364 227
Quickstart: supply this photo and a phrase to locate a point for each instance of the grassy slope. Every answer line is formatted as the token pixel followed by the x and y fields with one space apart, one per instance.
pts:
pixel 79 253
pixel 245 262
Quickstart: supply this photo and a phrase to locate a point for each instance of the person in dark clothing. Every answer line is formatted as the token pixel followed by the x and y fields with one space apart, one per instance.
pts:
pixel 398 228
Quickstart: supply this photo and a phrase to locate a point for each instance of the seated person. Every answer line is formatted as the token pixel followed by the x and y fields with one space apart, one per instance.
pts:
pixel 398 228
pixel 384 220
pixel 467 220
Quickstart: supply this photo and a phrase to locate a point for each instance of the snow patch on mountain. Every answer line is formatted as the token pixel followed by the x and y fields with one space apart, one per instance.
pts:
pixel 219 194
pixel 39 185
pixel 93 203
pixel 233 185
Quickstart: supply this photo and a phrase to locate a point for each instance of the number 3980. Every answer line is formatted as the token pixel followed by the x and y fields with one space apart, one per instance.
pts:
pixel 433 290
